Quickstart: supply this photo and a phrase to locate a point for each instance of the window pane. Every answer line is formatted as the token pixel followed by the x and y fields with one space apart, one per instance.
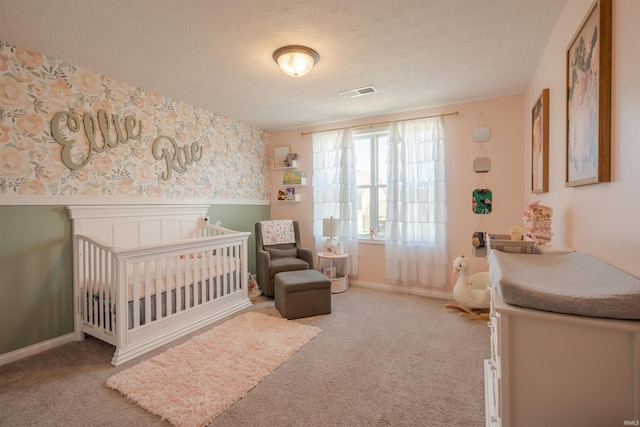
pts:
pixel 382 160
pixel 364 210
pixel 382 210
pixel 363 161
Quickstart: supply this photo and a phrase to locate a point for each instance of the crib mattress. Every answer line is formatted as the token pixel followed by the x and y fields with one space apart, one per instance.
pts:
pixel 185 275
pixel 181 276
pixel 573 283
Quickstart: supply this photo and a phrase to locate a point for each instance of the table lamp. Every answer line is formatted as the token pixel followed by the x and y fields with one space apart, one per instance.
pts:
pixel 330 229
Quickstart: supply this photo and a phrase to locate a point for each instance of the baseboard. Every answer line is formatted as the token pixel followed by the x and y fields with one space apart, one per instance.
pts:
pixel 35 349
pixel 401 289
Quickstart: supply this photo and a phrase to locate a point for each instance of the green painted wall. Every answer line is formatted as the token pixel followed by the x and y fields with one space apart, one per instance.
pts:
pixel 241 218
pixel 36 276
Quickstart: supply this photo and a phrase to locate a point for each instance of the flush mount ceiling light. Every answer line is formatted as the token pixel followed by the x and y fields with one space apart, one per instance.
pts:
pixel 296 61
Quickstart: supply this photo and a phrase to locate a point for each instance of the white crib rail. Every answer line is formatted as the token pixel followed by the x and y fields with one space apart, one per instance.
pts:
pixel 93 280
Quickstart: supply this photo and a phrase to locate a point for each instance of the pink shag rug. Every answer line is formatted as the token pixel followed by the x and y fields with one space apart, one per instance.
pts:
pixel 191 384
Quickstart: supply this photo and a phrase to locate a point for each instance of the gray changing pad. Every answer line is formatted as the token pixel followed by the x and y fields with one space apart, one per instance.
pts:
pixel 574 283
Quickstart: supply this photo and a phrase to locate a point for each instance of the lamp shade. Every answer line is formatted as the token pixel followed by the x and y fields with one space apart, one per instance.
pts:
pixel 330 227
pixel 295 61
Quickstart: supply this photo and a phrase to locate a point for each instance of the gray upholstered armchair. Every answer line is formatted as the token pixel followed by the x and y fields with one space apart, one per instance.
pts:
pixel 278 249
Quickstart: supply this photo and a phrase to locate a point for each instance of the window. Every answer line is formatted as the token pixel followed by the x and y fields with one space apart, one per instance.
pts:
pixel 371 178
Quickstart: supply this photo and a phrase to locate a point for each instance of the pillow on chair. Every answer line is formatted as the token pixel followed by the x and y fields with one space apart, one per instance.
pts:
pixel 282 253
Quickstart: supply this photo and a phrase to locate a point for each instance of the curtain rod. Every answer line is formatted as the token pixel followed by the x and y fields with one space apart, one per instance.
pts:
pixel 455 113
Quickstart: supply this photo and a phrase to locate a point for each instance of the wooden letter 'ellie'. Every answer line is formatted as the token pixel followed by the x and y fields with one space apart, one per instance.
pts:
pixel 109 139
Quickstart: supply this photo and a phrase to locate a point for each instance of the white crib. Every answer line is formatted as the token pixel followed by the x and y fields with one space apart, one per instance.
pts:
pixel 145 275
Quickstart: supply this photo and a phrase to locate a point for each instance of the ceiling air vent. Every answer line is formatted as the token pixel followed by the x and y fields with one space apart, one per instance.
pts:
pixel 353 93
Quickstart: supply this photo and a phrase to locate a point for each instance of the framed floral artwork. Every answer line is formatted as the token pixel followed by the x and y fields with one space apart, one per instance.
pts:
pixel 589 99
pixel 540 144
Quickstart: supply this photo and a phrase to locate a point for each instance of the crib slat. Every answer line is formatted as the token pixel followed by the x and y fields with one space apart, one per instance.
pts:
pixel 178 277
pixel 187 284
pixel 218 271
pixel 231 269
pixel 176 285
pixel 104 318
pixel 136 296
pixel 203 283
pixel 100 287
pixel 202 287
pixel 92 269
pixel 225 269
pixel 169 285
pixel 147 293
pixel 195 274
pixel 236 256
pixel 210 275
pixel 83 279
pixel 158 289
pixel 111 303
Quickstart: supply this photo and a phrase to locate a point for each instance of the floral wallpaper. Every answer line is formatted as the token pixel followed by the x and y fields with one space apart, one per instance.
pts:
pixel 232 161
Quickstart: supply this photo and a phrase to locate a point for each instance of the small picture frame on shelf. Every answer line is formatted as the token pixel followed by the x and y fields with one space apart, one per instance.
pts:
pixel 290 194
pixel 293 177
pixel 280 157
pixel 291 160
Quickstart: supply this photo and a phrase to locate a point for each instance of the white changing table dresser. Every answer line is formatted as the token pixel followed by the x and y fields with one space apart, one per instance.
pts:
pixel 549 369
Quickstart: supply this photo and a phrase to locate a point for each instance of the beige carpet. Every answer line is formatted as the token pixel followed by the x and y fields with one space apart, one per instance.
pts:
pixel 191 384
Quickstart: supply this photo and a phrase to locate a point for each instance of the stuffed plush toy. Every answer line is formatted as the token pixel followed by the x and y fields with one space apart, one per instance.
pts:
pixel 471 290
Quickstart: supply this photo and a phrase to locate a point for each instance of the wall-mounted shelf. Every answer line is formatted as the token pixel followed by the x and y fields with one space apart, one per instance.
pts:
pixel 293 165
pixel 287 194
pixel 291 179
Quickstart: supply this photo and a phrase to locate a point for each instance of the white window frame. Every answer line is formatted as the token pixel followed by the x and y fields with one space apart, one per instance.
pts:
pixel 374 135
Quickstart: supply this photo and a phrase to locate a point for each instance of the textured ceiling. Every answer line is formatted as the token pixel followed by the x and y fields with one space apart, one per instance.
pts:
pixel 216 54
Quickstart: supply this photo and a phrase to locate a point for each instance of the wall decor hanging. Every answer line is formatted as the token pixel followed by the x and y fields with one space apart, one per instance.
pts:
pixel 589 99
pixel 482 199
pixel 540 144
pixel 482 132
pixel 481 164
pixel 478 242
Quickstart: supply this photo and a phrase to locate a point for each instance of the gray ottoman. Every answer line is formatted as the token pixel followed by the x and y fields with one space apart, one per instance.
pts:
pixel 302 293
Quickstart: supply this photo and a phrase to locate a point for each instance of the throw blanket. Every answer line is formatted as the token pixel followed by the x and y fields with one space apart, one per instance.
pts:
pixel 574 283
pixel 277 231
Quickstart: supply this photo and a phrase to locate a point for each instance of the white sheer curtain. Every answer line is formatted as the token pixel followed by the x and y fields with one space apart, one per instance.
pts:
pixel 335 191
pixel 416 235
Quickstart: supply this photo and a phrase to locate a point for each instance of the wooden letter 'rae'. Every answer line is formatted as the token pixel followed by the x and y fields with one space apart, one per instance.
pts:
pixel 176 158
